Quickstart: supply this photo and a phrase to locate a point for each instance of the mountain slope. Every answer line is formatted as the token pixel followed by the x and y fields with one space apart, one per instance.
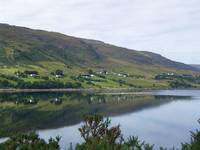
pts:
pixel 23 45
pixel 23 49
pixel 19 45
pixel 137 57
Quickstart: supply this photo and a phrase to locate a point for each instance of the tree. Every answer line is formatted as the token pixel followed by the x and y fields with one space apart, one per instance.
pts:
pixel 98 135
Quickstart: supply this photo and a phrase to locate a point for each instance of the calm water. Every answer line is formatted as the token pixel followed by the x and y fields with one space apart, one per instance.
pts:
pixel 163 118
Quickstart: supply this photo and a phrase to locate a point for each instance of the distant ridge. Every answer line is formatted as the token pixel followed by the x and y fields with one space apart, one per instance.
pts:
pixel 195 66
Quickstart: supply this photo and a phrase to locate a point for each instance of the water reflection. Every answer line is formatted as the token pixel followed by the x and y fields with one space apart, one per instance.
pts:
pixel 22 112
pixel 167 125
pixel 164 121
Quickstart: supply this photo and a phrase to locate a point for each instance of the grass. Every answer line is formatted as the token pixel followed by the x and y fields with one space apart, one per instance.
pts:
pixel 109 81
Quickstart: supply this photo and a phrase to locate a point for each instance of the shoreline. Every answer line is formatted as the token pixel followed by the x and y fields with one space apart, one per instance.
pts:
pixel 69 90
pixel 105 90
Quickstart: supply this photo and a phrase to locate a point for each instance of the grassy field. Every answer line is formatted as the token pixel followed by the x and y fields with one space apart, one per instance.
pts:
pixel 71 75
pixel 133 78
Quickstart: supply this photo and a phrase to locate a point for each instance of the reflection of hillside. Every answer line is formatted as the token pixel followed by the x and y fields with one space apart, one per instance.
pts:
pixel 44 114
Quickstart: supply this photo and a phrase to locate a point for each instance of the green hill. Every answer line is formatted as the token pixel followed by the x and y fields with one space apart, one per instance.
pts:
pixel 23 49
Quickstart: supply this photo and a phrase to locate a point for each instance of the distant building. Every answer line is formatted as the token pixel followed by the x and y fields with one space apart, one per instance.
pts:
pixel 59 73
pixel 171 76
pixel 85 76
pixel 31 73
pixel 58 76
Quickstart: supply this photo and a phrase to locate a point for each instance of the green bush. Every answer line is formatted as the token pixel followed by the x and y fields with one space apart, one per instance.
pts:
pixel 97 135
pixel 30 141
pixel 194 143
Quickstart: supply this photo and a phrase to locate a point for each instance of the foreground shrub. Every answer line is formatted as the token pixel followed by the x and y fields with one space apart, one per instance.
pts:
pixel 30 141
pixel 98 135
pixel 194 143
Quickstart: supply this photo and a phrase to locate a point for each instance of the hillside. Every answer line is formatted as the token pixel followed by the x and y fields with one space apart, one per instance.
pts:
pixel 196 66
pixel 26 49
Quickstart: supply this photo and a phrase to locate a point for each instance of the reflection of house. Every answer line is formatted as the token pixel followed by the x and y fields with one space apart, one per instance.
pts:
pixel 56 101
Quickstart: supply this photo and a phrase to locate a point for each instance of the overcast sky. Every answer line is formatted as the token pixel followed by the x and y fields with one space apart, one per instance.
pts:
pixel 168 27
